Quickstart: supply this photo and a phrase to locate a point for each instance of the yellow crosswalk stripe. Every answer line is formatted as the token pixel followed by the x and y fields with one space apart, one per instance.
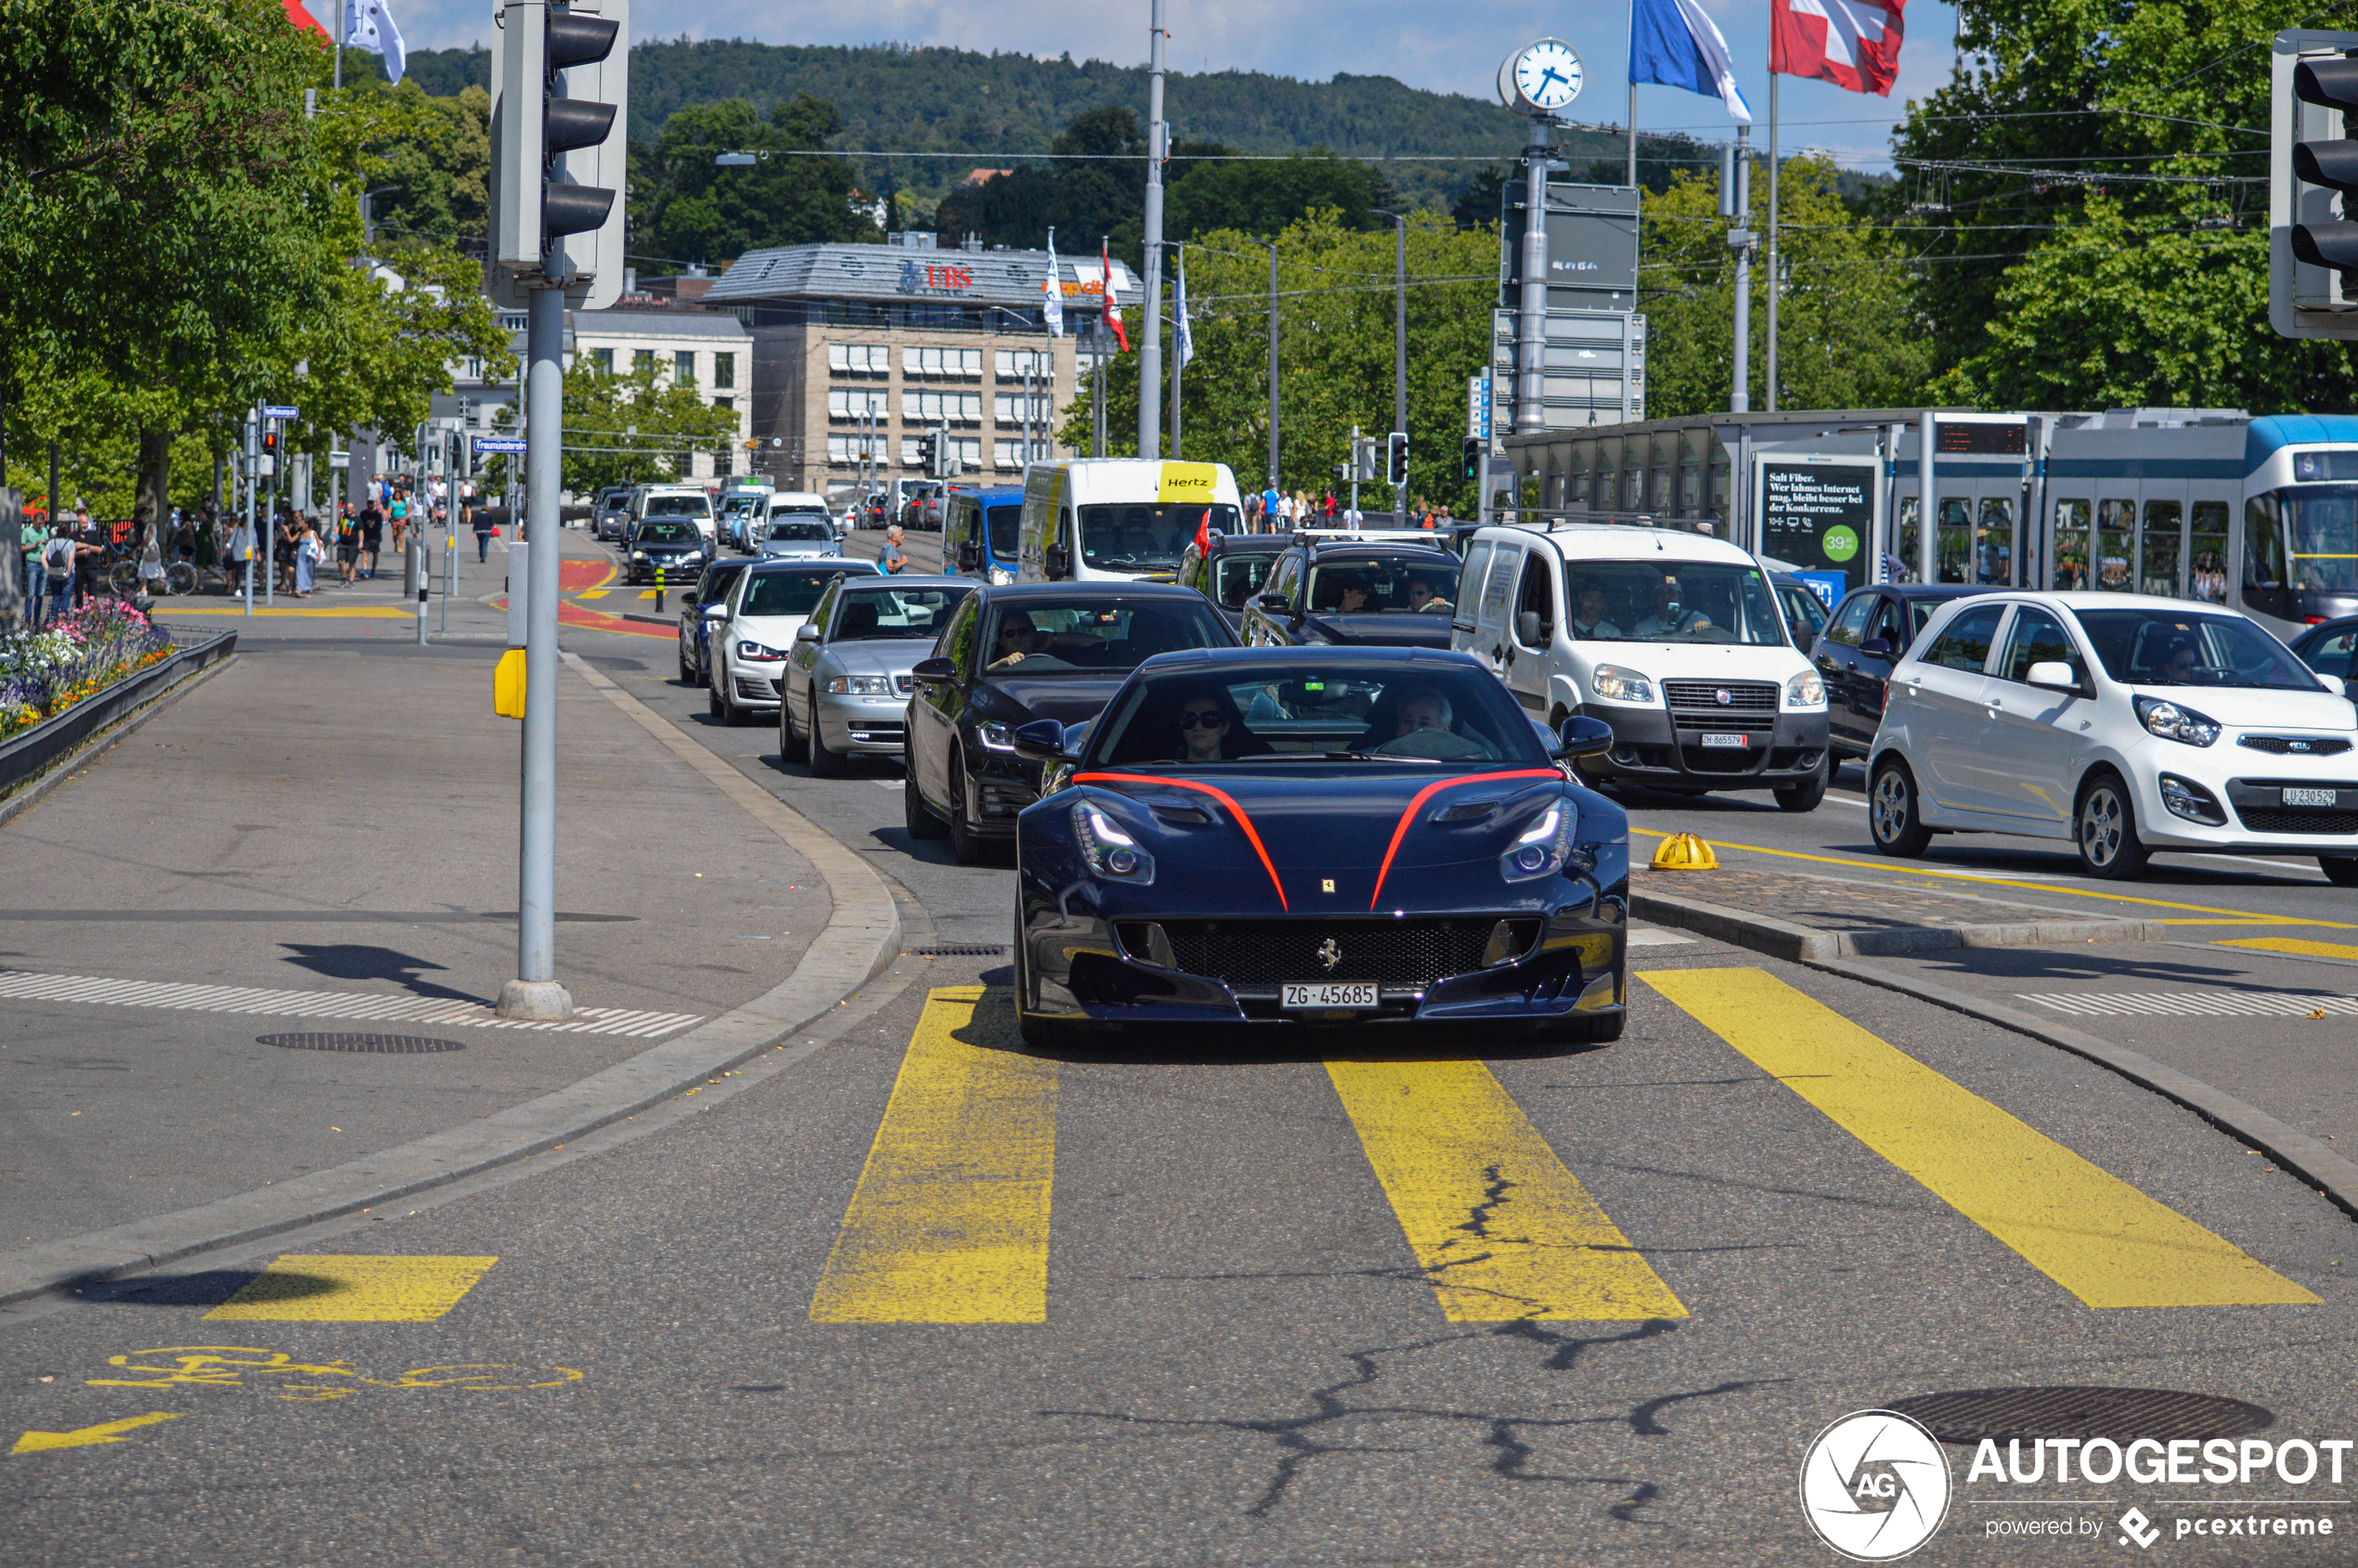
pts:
pixel 950 1221
pixel 2292 944
pixel 350 1287
pixel 1498 1225
pixel 2090 1232
pixel 593 593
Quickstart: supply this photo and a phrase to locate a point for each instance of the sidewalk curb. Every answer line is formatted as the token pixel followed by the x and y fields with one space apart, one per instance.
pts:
pixel 2328 1172
pixel 860 939
pixel 1780 939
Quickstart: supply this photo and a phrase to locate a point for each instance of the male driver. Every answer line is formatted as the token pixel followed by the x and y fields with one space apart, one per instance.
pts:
pixel 1422 597
pixel 1589 621
pixel 1424 708
pixel 1670 618
pixel 1017 639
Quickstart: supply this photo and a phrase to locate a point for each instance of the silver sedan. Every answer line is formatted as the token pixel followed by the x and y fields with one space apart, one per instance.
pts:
pixel 794 538
pixel 844 689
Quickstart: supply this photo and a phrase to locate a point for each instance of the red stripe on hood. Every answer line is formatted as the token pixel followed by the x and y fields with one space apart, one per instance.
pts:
pixel 1428 793
pixel 1243 820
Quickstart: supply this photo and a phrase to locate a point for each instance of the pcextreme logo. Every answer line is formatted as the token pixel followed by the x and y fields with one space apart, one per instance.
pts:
pixel 1875 1485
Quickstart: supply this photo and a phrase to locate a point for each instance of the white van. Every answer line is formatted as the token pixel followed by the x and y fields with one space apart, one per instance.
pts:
pixel 1675 639
pixel 687 501
pixel 1120 519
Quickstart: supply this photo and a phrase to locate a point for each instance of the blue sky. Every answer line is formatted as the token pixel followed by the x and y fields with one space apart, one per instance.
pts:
pixel 1448 47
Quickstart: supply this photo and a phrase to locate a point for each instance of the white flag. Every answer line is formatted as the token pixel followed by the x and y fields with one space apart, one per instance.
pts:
pixel 368 25
pixel 1182 335
pixel 1051 308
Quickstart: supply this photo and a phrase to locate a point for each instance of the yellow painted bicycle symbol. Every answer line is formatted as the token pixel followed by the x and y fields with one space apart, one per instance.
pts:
pixel 250 1366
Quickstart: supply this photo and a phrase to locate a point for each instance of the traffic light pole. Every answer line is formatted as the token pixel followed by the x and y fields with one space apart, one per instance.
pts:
pixel 534 993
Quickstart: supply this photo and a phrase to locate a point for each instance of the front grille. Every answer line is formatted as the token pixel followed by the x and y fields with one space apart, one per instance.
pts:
pixel 904 683
pixel 1253 954
pixel 2319 821
pixel 2288 745
pixel 1702 696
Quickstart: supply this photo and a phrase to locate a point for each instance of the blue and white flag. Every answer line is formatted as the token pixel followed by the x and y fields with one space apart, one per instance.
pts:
pixel 1052 300
pixel 1183 332
pixel 1673 44
pixel 368 24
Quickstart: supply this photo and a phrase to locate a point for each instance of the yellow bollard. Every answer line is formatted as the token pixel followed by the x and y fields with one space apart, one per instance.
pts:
pixel 1684 852
pixel 506 685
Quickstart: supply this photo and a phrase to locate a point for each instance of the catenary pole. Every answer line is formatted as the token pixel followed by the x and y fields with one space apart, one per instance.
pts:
pixel 1633 136
pixel 1268 523
pixel 1531 326
pixel 1400 353
pixel 1769 368
pixel 1739 393
pixel 1178 359
pixel 1151 347
pixel 534 993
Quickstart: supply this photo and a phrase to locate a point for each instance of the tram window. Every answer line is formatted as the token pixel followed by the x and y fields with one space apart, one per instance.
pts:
pixel 2263 544
pixel 1908 542
pixel 2071 547
pixel 2116 547
pixel 2165 525
pixel 2324 537
pixel 2206 553
pixel 1956 540
pixel 1993 545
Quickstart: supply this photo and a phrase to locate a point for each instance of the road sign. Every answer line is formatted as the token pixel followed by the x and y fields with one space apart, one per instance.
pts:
pixel 499 444
pixel 280 412
pixel 340 460
pixel 1478 408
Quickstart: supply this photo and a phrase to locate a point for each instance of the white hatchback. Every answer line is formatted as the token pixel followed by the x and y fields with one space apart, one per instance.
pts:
pixel 2125 724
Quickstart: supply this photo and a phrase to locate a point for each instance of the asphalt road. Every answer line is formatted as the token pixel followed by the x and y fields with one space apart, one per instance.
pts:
pixel 1341 1300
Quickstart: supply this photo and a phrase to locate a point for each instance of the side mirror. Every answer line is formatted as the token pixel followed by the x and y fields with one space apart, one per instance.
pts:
pixel 1804 639
pixel 934 669
pixel 1275 603
pixel 1042 740
pixel 1530 631
pixel 2336 684
pixel 716 612
pixel 688 599
pixel 1583 736
pixel 807 633
pixel 1876 647
pixel 969 555
pixel 2054 675
pixel 1056 561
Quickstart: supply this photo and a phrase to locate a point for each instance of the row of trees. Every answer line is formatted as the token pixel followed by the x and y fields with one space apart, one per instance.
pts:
pixel 179 238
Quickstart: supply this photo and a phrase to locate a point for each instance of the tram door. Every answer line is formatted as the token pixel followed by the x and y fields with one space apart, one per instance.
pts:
pixel 1981 532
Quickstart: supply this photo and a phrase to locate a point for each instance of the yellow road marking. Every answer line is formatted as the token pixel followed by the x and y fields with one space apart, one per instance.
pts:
pixel 1498 1225
pixel 365 612
pixel 83 1437
pixel 593 593
pixel 2291 944
pixel 2239 916
pixel 950 1221
pixel 2090 1232
pixel 649 592
pixel 342 1287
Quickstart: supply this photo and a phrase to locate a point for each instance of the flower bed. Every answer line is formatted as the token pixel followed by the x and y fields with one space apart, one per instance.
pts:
pixel 44 673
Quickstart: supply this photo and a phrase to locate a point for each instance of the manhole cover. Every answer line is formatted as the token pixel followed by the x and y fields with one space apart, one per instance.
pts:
pixel 2121 1414
pixel 970 950
pixel 395 1045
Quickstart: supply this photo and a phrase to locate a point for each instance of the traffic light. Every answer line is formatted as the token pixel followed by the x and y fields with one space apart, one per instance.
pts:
pixel 2313 250
pixel 928 448
pixel 1396 459
pixel 1471 459
pixel 560 78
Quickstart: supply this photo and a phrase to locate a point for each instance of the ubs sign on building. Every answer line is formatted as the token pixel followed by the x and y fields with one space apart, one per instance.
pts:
pixel 859 349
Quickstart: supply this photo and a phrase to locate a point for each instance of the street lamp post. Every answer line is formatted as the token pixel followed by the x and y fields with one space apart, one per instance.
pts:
pixel 1267 522
pixel 1399 347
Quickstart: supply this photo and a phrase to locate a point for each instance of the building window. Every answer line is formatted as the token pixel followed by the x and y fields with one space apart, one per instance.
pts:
pixel 683 365
pixel 858 359
pixel 724 370
pixel 855 402
pixel 1015 364
pixel 937 407
pixel 728 403
pixel 604 356
pixel 1008 407
pixel 1007 456
pixel 844 451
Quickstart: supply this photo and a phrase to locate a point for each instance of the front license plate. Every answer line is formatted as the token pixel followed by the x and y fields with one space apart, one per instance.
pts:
pixel 2311 797
pixel 1736 742
pixel 1326 995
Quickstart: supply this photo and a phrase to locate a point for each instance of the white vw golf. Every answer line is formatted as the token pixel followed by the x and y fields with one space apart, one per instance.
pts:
pixel 2124 724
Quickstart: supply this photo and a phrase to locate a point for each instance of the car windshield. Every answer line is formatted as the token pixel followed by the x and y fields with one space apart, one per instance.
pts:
pixel 2175 648
pixel 1671 602
pixel 653 532
pixel 1242 713
pixel 895 614
pixel 785 593
pixel 818 531
pixel 677 505
pixel 1235 578
pixel 1107 637
pixel 1004 524
pixel 1145 536
pixel 1380 585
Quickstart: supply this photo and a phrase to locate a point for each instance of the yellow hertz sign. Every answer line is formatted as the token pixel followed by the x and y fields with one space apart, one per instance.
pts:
pixel 1189 482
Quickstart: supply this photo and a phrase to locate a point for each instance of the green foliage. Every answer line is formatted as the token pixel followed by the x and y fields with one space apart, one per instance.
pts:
pixel 684 208
pixel 638 426
pixel 433 184
pixel 1335 353
pixel 1848 335
pixel 1084 202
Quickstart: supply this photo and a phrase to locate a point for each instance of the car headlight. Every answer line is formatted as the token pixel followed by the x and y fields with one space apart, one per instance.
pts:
pixel 995 735
pixel 758 652
pixel 1544 847
pixel 1108 848
pixel 1805 690
pixel 1615 684
pixel 2173 722
pixel 638 555
pixel 861 686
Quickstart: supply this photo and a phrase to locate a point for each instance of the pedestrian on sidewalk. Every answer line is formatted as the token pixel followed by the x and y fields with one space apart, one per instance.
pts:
pixel 483 529
pixel 894 559
pixel 400 521
pixel 306 561
pixel 31 536
pixel 347 546
pixel 284 536
pixel 57 564
pixel 372 535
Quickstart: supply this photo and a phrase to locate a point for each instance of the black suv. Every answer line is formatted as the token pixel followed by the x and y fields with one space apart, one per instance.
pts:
pixel 1335 589
pixel 1228 569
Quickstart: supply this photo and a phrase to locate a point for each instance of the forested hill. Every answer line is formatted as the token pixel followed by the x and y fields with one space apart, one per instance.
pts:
pixel 962 103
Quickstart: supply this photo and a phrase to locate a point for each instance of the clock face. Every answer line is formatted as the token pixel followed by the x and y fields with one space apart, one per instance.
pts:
pixel 1548 74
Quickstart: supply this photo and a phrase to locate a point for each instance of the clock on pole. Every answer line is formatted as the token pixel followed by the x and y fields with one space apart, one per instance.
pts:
pixel 1541 78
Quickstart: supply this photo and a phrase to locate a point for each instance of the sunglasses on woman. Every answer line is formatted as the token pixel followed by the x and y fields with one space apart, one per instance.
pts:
pixel 1200 721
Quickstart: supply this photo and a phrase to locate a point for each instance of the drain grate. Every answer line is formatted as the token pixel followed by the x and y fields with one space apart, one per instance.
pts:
pixel 2121 1414
pixel 968 950
pixel 392 1045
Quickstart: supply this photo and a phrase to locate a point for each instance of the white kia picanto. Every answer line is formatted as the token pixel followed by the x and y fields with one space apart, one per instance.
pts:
pixel 2125 724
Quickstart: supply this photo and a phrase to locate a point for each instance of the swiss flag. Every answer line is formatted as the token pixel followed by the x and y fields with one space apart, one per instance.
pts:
pixel 302 19
pixel 1853 43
